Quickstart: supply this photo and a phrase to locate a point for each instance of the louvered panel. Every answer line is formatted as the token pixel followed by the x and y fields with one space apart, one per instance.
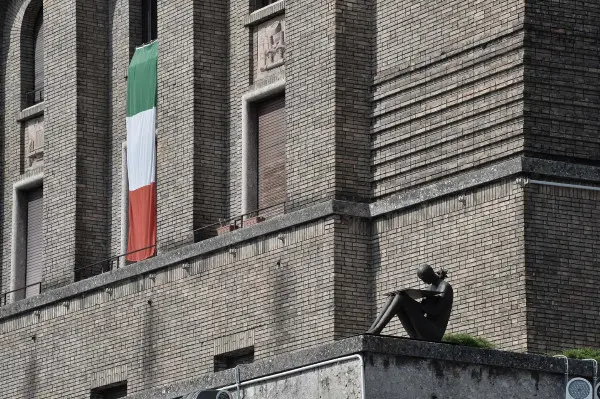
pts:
pixel 271 152
pixel 35 240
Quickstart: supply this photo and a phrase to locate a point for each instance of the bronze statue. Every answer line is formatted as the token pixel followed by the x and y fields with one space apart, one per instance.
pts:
pixel 427 319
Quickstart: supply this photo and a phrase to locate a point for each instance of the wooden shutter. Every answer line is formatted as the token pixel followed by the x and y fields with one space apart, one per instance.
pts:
pixel 39 57
pixel 35 240
pixel 271 152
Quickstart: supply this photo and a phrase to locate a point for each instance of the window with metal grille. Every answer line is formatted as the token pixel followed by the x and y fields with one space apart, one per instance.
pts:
pixel 263 3
pixel 231 359
pixel 271 179
pixel 38 35
pixel 114 391
pixel 149 20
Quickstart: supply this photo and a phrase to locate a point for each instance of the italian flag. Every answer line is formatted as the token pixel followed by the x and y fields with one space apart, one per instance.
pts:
pixel 141 152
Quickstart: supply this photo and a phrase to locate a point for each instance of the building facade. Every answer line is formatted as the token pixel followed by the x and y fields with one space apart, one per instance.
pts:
pixel 371 135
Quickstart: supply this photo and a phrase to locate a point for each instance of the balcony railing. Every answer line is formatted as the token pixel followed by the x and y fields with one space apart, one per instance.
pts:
pixel 20 293
pixel 104 266
pixel 238 222
pixel 118 261
pixel 34 97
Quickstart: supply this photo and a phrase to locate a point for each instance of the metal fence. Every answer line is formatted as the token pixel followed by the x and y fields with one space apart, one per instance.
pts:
pixel 104 266
pixel 118 261
pixel 238 222
pixel 20 293
pixel 34 97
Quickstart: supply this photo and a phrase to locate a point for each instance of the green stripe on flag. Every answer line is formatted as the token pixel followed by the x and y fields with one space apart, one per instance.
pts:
pixel 141 79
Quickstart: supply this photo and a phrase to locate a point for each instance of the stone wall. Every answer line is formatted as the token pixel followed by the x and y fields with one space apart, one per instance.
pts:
pixel 393 368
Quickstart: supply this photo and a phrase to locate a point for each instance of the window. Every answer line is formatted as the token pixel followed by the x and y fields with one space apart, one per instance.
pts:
pixel 38 34
pixel 264 3
pixel 32 55
pixel 28 240
pixel 271 179
pixel 149 20
pixel 231 359
pixel 115 391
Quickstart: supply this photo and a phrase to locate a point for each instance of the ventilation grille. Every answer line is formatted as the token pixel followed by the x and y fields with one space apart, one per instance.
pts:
pixel 579 388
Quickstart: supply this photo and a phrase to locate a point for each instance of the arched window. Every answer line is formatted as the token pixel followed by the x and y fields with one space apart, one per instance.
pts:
pixel 38 45
pixel 32 54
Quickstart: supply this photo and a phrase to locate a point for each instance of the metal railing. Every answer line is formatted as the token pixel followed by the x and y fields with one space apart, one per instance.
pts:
pixel 104 266
pixel 238 222
pixel 19 293
pixel 35 96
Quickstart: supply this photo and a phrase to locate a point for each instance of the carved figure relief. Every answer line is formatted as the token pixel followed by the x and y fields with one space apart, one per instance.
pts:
pixel 271 44
pixel 34 143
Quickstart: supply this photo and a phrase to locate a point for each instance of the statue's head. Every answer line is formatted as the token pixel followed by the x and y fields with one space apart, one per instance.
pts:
pixel 428 275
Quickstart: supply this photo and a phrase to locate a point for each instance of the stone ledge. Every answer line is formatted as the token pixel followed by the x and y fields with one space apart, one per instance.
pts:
pixel 31 112
pixel 184 253
pixel 370 345
pixel 446 186
pixel 264 13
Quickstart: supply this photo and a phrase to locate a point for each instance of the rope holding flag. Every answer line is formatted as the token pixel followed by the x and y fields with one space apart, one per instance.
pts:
pixel 141 152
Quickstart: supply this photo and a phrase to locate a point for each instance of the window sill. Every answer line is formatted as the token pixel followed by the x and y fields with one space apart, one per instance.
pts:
pixel 31 112
pixel 265 13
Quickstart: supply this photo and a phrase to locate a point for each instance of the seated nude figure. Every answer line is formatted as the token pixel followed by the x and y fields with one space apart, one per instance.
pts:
pixel 425 320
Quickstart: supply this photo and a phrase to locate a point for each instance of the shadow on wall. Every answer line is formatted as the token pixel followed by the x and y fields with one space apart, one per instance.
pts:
pixel 148 349
pixel 31 372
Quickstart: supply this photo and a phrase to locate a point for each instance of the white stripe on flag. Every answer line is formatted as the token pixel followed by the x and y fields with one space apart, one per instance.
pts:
pixel 141 149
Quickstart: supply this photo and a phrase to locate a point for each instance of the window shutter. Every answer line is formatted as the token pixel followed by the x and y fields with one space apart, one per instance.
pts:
pixel 271 152
pixel 35 240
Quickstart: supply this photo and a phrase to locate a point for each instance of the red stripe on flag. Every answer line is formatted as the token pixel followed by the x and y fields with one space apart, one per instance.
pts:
pixel 142 223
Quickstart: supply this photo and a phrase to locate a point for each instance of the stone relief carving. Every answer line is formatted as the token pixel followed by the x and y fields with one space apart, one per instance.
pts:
pixel 34 143
pixel 271 44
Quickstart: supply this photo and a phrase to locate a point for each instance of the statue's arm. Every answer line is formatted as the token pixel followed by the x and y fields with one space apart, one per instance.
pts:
pixel 438 307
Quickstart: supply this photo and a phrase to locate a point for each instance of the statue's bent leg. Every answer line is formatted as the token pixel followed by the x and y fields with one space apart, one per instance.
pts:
pixel 414 317
pixel 386 314
pixel 407 323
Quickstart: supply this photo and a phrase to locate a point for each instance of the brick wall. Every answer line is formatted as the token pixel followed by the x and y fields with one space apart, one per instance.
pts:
pixel 192 118
pixel 310 101
pixel 353 280
pixel 175 134
pixel 480 240
pixel 278 291
pixel 3 35
pixel 354 28
pixel 448 93
pixel 93 133
pixel 563 91
pixel 60 158
pixel 561 237
pixel 238 73
pixel 211 111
